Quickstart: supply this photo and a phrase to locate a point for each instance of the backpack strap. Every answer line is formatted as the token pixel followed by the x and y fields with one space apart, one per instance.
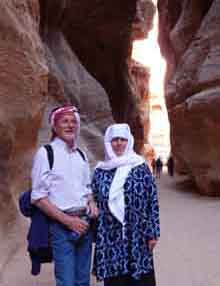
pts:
pixel 50 155
pixel 81 154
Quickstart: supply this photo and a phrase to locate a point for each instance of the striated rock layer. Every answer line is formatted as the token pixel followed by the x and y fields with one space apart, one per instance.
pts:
pixel 190 41
pixel 54 52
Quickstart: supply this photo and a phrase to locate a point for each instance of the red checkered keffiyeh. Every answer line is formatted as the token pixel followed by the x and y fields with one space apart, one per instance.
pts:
pixel 59 112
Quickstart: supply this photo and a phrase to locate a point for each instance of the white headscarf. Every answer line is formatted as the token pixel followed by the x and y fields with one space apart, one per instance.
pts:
pixel 123 163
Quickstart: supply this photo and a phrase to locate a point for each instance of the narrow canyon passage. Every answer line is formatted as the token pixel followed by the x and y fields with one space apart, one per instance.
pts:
pixel 188 251
pixel 80 52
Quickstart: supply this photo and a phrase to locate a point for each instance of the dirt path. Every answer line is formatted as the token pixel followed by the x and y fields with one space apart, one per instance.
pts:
pixel 188 253
pixel 189 250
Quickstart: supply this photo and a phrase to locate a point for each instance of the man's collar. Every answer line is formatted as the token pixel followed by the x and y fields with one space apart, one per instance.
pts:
pixel 63 144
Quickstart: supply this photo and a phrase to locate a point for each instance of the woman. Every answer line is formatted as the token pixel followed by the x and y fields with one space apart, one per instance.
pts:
pixel 128 222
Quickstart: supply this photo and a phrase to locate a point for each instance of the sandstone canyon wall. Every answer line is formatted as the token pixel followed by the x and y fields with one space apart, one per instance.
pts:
pixel 190 41
pixel 53 52
pixel 140 75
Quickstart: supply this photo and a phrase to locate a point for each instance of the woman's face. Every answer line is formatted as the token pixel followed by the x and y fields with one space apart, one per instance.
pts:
pixel 119 145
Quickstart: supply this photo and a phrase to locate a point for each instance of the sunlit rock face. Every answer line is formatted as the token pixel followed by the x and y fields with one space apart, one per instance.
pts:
pixel 140 86
pixel 142 21
pixel 190 40
pixel 23 85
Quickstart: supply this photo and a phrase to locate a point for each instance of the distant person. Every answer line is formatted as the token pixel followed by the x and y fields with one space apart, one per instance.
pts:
pixel 170 166
pixel 153 166
pixel 159 167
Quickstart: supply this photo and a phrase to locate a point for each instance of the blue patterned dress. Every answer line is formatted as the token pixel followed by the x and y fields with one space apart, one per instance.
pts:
pixel 117 254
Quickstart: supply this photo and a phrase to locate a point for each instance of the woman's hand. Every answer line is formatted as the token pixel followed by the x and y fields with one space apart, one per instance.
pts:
pixel 152 243
pixel 92 209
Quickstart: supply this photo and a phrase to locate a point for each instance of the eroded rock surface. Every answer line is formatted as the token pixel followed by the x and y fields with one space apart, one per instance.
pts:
pixel 23 86
pixel 140 86
pixel 54 52
pixel 190 40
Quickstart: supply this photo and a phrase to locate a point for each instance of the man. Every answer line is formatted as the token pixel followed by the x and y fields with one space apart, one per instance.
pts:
pixel 159 167
pixel 63 193
pixel 170 166
pixel 153 165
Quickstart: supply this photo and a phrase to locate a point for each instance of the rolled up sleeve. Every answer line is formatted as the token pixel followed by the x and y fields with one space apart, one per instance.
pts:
pixel 40 175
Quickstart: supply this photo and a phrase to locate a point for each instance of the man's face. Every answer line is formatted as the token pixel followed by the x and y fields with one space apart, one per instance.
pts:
pixel 66 127
pixel 119 145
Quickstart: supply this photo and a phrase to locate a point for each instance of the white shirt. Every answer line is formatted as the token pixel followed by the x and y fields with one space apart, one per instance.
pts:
pixel 67 185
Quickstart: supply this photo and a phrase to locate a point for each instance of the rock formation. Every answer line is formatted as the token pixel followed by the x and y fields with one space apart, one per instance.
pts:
pixel 53 52
pixel 140 82
pixel 108 32
pixel 189 39
pixel 23 86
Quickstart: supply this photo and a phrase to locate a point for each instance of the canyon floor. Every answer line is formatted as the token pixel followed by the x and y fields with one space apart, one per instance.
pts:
pixel 188 251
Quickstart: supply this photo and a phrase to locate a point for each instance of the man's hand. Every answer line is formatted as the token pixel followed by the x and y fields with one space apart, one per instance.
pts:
pixel 152 243
pixel 74 223
pixel 77 224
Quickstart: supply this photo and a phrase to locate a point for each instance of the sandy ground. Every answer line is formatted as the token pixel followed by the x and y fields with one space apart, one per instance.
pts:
pixel 188 253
